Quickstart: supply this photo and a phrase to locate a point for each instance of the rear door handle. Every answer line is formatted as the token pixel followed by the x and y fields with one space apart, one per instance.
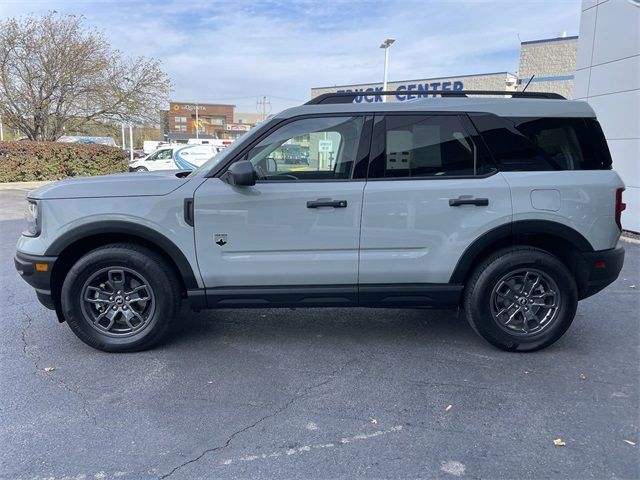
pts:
pixel 479 202
pixel 326 202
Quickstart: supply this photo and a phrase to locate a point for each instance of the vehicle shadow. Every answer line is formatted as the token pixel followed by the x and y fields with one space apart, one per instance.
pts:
pixel 331 324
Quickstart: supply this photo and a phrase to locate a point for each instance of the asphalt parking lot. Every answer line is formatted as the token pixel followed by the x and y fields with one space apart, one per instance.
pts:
pixel 328 393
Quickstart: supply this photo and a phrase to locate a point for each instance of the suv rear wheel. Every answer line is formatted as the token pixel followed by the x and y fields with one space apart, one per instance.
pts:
pixel 120 298
pixel 521 299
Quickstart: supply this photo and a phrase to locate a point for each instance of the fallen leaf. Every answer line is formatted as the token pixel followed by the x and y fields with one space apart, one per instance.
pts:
pixel 449 407
pixel 629 442
pixel 583 376
pixel 632 286
pixel 209 383
pixel 526 371
pixel 558 442
pixel 374 421
pixel 49 369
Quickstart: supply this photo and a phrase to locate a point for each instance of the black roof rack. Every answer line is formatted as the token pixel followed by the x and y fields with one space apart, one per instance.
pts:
pixel 349 97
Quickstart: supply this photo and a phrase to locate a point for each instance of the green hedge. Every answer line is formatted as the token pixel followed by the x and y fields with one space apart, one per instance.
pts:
pixel 27 161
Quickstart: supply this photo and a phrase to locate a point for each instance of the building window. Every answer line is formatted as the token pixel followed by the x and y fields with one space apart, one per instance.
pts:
pixel 181 119
pixel 181 128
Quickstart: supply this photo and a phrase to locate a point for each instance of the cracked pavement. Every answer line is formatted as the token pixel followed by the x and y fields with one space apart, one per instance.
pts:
pixel 331 393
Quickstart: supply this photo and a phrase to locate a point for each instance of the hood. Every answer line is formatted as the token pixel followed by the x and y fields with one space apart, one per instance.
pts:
pixel 135 184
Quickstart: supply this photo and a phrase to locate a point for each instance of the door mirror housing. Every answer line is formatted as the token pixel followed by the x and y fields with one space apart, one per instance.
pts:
pixel 240 174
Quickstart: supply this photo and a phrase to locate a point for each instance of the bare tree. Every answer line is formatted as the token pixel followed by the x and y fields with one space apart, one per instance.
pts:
pixel 56 73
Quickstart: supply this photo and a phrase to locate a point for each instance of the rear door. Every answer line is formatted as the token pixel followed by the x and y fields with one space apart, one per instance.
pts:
pixel 431 191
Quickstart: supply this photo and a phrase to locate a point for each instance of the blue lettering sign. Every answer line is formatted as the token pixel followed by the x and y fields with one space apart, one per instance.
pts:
pixel 413 91
pixel 411 88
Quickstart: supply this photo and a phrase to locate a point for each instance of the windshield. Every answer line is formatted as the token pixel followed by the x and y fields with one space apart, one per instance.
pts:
pixel 231 150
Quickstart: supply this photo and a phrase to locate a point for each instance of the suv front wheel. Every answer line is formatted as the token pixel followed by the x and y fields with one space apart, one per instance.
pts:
pixel 521 299
pixel 120 298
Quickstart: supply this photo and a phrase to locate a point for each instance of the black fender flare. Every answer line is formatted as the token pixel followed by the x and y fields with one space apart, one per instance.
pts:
pixel 108 227
pixel 511 230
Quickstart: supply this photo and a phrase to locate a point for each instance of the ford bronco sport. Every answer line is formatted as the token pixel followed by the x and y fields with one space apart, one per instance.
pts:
pixel 504 205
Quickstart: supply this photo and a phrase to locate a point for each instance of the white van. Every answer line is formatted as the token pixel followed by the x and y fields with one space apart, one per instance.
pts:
pixel 175 157
pixel 150 146
pixel 210 141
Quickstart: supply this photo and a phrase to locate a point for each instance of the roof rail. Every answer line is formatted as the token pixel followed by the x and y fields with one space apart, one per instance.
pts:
pixel 349 97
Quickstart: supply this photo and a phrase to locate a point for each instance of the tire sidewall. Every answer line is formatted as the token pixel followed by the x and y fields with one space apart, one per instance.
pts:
pixel 479 304
pixel 71 298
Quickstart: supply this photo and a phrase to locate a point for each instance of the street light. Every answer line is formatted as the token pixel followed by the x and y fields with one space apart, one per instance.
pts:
pixel 385 45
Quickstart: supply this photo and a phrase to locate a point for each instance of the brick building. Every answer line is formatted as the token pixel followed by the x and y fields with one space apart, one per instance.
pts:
pixel 213 121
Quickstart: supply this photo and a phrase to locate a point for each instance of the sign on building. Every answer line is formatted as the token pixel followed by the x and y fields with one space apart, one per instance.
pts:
pixel 325 146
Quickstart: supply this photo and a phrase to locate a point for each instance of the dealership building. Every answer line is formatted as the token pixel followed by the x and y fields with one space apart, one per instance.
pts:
pixel 548 64
pixel 600 66
pixel 608 77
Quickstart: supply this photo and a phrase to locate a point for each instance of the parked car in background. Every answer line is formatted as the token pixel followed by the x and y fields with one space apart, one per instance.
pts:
pixel 87 140
pixel 175 157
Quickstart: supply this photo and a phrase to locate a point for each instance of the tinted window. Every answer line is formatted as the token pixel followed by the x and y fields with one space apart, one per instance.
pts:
pixel 544 143
pixel 325 148
pixel 423 146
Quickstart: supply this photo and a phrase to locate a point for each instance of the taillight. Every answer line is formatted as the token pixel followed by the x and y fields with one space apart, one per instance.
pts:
pixel 620 206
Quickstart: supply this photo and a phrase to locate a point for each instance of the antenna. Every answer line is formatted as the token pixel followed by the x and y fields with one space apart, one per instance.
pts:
pixel 525 87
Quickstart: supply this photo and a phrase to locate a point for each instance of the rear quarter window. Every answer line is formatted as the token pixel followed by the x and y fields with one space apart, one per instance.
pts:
pixel 520 143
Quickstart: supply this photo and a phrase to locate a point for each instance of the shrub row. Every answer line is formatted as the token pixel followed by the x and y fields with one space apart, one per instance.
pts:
pixel 27 161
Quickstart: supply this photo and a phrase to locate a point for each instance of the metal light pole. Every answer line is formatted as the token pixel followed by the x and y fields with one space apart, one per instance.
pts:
pixel 385 45
pixel 124 146
pixel 1 130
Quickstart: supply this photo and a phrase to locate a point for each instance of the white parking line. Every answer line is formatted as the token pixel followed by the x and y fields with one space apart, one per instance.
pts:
pixel 309 448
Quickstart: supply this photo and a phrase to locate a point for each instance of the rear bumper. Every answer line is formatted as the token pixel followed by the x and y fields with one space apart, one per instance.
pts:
pixel 39 279
pixel 603 268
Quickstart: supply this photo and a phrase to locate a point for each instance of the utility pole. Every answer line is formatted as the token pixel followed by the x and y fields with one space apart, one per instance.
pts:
pixel 124 147
pixel 1 130
pixel 263 106
pixel 131 143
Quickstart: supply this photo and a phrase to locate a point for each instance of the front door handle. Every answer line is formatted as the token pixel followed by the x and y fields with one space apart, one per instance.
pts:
pixel 326 202
pixel 479 202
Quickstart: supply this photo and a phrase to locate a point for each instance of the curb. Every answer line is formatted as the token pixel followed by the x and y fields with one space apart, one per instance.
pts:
pixel 23 185
pixel 626 239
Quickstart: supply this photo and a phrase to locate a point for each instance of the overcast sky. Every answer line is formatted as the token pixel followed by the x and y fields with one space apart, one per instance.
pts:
pixel 235 51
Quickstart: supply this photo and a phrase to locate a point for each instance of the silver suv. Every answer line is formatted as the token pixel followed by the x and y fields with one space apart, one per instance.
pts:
pixel 507 207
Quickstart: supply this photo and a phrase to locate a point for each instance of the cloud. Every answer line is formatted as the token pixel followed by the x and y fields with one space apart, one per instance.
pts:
pixel 236 52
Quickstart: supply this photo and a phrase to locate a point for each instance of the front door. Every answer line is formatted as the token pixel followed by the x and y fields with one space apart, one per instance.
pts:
pixel 299 226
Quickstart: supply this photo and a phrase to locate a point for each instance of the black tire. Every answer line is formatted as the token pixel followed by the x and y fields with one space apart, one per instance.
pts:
pixel 486 289
pixel 146 270
pixel 140 169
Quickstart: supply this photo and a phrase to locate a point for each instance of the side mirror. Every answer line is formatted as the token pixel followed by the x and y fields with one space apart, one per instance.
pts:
pixel 240 174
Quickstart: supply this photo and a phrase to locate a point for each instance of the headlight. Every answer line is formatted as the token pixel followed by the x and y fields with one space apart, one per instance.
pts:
pixel 31 215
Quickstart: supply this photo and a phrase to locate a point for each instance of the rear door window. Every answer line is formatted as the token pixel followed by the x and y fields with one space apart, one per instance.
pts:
pixel 423 146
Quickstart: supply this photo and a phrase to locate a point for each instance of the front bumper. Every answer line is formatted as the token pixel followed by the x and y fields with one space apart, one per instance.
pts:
pixel 39 277
pixel 603 268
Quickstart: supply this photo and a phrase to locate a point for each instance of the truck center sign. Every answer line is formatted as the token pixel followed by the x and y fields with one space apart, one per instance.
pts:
pixel 409 91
